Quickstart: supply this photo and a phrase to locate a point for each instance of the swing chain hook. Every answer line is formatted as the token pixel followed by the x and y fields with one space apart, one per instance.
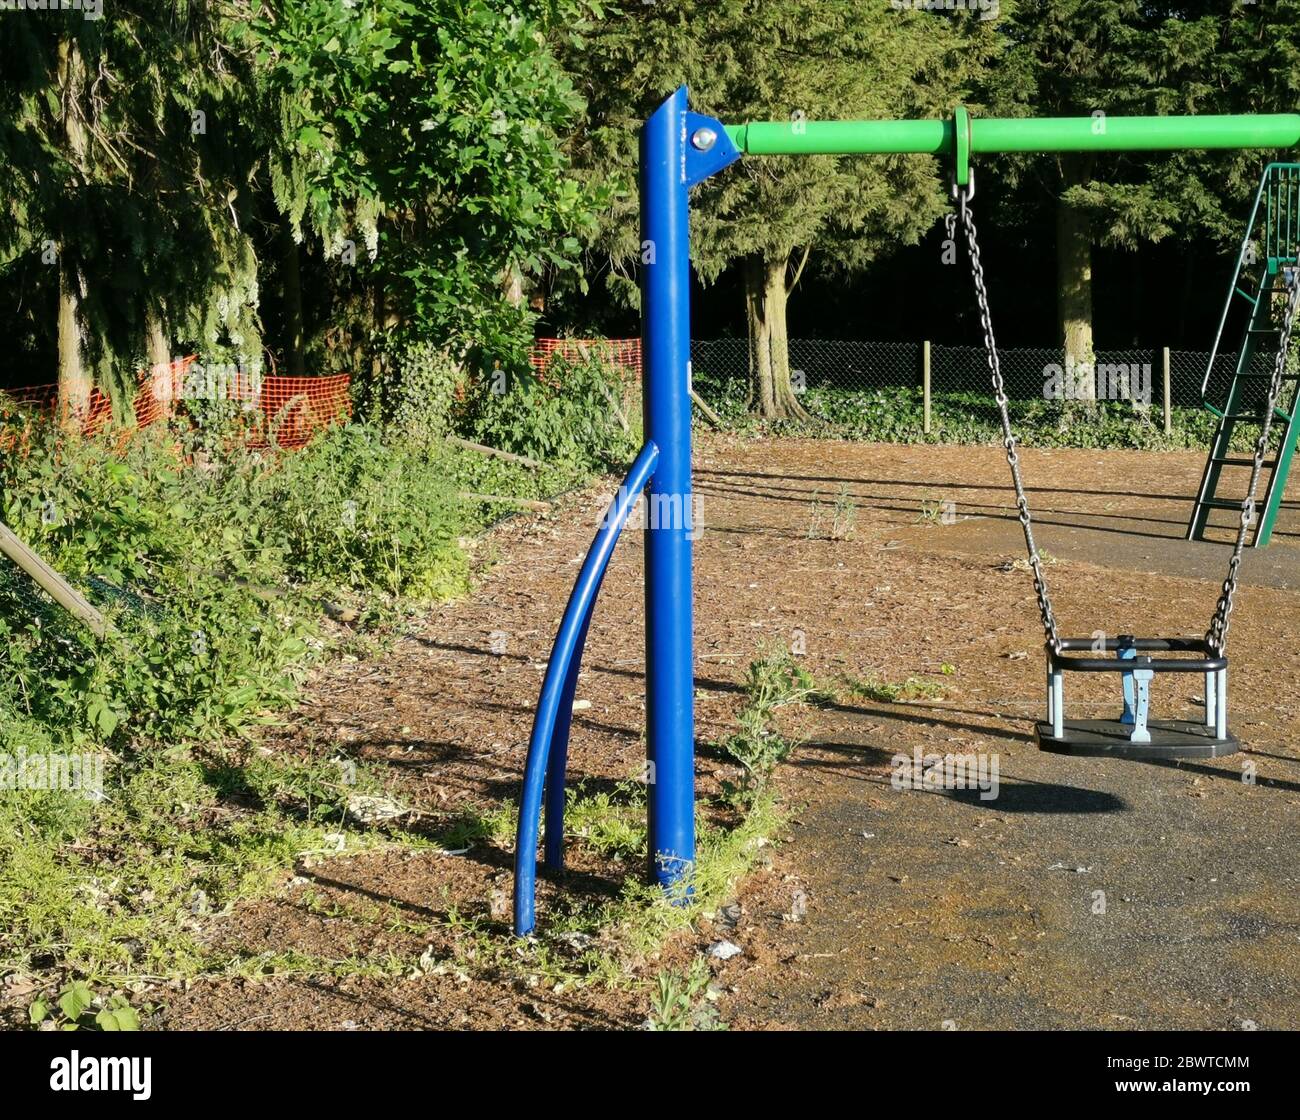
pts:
pixel 963 194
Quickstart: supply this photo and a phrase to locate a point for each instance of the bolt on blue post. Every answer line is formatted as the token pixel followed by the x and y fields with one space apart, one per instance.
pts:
pixel 678 149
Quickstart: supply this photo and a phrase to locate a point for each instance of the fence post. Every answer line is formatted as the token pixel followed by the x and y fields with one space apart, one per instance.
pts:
pixel 1165 382
pixel 925 384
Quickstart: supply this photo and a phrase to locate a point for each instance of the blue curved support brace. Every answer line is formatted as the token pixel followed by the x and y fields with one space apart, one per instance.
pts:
pixel 550 738
pixel 558 762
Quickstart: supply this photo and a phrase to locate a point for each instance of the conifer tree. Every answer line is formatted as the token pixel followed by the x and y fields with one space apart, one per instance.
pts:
pixel 1099 57
pixel 763 60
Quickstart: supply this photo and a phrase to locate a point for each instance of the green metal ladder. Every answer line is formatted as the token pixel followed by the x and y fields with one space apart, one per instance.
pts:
pixel 1267 256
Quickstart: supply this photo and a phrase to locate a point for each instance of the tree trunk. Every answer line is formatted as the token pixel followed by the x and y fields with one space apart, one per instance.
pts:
pixel 771 393
pixel 512 287
pixel 162 380
pixel 1074 295
pixel 292 307
pixel 75 382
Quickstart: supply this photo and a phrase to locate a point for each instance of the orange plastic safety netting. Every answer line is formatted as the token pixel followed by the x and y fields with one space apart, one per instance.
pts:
pixel 286 412
pixel 282 412
pixel 623 352
pixel 97 411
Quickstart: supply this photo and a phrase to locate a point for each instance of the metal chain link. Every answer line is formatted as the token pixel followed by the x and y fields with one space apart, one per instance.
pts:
pixel 1216 636
pixel 1008 437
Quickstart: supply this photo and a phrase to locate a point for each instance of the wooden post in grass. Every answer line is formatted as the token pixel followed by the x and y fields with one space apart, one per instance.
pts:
pixel 1165 380
pixel 483 449
pixel 708 413
pixel 58 589
pixel 925 383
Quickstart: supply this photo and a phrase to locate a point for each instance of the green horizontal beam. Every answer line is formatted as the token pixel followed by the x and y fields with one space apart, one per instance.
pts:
pixel 1126 134
pixel 1102 133
pixel 841 138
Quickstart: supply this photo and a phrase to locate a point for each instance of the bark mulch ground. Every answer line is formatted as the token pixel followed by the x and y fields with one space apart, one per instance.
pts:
pixel 1089 893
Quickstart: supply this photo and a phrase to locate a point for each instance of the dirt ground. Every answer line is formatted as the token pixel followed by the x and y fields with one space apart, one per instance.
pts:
pixel 1091 893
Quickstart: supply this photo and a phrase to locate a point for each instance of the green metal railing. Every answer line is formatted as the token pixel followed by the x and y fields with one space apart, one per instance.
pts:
pixel 1264 251
pixel 1282 229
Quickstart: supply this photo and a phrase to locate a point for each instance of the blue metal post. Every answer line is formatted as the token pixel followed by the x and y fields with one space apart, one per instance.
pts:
pixel 665 353
pixel 678 149
pixel 557 764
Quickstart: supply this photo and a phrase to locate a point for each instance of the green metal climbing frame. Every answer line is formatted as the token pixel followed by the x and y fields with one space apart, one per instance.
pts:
pixel 1268 254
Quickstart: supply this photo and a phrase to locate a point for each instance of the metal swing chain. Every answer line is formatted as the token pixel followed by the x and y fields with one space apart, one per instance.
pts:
pixel 1217 635
pixel 1008 437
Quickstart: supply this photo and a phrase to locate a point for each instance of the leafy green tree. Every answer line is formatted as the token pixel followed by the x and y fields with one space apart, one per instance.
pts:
pixel 778 60
pixel 168 163
pixel 421 144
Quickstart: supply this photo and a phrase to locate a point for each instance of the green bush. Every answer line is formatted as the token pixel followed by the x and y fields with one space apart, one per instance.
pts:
pixel 412 394
pixel 210 570
pixel 896 414
pixel 210 561
pixel 574 414
pixel 355 510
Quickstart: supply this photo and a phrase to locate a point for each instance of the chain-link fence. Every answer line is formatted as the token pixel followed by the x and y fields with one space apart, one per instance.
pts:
pixel 904 391
pixel 1031 373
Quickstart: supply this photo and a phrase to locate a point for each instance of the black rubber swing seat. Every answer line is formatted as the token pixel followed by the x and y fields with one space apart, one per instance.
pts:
pixel 1170 738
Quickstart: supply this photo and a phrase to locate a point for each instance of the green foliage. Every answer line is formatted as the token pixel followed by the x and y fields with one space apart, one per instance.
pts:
pixel 210 572
pixel 681 1001
pixel 117 887
pixel 796 60
pixel 821 59
pixel 573 414
pixel 159 163
pixel 75 1009
pixel 413 395
pixel 358 512
pixel 611 822
pixel 888 692
pixel 142 203
pixel 432 133
pixel 193 651
pixel 755 745
pixel 775 679
pixel 483 474
pixel 1079 57
pixel 210 561
pixel 897 415
pixel 471 827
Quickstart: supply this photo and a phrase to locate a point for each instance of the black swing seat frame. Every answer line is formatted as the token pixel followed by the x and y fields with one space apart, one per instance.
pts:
pixel 1210 662
pixel 1133 735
